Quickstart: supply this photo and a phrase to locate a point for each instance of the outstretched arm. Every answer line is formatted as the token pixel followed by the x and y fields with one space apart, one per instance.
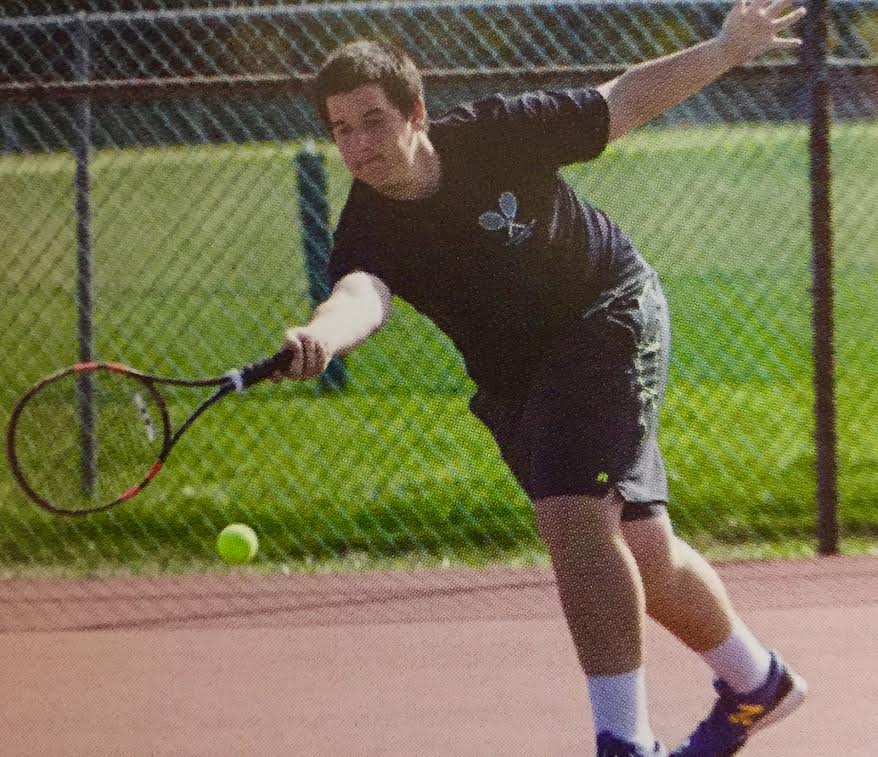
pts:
pixel 649 89
pixel 358 307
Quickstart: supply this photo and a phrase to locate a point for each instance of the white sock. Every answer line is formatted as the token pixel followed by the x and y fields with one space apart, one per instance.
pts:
pixel 619 706
pixel 741 660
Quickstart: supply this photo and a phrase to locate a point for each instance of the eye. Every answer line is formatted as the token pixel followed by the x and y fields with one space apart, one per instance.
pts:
pixel 341 131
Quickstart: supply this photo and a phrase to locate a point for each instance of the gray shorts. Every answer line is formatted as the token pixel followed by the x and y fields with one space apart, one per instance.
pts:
pixel 588 420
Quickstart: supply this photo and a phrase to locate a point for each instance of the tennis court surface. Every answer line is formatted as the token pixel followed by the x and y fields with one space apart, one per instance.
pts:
pixel 452 662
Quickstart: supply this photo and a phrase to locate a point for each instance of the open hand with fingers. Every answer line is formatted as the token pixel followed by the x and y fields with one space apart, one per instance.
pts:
pixel 753 28
pixel 309 355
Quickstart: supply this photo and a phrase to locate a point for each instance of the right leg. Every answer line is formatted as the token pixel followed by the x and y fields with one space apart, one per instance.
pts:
pixel 597 578
pixel 602 598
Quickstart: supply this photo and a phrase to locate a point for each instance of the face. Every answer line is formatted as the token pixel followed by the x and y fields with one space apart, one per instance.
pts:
pixel 377 142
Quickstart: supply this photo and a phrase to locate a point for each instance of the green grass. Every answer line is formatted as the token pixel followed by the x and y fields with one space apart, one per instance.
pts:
pixel 198 267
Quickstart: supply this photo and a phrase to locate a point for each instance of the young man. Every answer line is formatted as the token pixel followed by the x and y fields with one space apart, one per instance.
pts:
pixel 564 329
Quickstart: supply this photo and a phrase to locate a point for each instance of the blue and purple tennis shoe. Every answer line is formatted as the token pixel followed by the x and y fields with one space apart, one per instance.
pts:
pixel 610 746
pixel 736 717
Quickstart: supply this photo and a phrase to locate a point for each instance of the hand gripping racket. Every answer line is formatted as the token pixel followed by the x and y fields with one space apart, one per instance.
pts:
pixel 93 435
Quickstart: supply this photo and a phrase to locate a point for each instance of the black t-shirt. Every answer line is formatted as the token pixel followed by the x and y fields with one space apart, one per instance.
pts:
pixel 504 254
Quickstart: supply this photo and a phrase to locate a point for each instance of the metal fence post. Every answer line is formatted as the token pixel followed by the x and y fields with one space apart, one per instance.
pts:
pixel 814 58
pixel 317 240
pixel 84 294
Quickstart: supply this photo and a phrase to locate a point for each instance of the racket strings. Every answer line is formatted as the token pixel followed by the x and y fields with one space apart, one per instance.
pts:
pixel 83 440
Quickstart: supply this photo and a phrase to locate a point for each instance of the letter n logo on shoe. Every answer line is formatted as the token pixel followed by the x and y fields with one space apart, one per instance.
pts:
pixel 746 714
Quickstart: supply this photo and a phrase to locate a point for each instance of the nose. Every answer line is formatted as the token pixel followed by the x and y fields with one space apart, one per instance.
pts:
pixel 359 144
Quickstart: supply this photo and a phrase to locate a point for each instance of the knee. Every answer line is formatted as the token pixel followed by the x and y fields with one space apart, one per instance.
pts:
pixel 582 522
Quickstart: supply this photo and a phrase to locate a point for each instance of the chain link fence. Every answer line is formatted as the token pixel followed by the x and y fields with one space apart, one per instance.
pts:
pixel 196 229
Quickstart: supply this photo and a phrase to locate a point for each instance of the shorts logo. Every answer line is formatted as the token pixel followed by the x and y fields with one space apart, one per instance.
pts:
pixel 505 220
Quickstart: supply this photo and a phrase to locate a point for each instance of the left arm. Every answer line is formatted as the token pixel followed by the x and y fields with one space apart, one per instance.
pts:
pixel 649 89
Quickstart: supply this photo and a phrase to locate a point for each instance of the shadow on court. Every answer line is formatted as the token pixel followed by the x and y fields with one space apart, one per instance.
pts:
pixel 451 662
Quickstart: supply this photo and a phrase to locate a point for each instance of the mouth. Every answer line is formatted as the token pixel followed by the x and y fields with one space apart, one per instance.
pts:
pixel 367 163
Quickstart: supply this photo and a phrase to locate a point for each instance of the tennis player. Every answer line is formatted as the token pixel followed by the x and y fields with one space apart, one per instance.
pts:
pixel 564 329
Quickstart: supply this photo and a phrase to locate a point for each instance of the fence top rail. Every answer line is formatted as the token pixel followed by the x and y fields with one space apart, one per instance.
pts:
pixel 158 88
pixel 316 9
pixel 335 8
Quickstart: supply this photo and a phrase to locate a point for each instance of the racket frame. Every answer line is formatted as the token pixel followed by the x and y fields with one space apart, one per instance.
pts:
pixel 236 380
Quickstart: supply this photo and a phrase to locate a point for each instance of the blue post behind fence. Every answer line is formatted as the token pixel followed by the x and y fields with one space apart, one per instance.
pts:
pixel 9 138
pixel 84 299
pixel 317 241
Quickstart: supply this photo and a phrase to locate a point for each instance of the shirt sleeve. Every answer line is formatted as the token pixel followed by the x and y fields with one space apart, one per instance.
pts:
pixel 352 245
pixel 545 127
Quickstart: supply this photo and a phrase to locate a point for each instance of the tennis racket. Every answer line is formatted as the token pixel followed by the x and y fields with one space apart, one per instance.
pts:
pixel 93 435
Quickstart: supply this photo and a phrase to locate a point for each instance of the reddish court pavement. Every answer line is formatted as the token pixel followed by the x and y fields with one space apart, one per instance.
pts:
pixel 446 663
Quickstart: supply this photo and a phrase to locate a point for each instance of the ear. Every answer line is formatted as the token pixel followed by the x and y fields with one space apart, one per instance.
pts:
pixel 418 117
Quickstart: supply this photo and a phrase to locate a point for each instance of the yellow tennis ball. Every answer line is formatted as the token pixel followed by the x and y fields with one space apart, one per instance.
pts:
pixel 237 544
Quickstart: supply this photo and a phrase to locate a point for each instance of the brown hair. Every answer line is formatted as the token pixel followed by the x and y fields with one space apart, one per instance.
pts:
pixel 367 62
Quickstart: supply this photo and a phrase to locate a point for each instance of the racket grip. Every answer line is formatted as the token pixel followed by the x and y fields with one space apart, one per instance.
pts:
pixel 263 369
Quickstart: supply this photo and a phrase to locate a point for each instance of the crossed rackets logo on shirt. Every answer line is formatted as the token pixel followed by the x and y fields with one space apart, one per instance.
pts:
pixel 505 220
